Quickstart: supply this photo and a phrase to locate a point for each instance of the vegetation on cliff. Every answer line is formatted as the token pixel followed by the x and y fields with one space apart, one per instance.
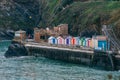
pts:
pixel 83 16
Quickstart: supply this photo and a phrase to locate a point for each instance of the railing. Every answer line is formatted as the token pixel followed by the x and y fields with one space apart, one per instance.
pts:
pixel 108 31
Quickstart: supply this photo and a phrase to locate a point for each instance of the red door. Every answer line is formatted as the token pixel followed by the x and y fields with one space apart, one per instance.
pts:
pixel 73 41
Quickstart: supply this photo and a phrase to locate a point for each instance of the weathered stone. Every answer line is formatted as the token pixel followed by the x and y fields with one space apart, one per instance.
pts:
pixel 6 34
pixel 16 50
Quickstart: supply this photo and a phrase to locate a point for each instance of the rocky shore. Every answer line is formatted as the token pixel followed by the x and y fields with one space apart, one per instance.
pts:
pixel 16 49
pixel 6 34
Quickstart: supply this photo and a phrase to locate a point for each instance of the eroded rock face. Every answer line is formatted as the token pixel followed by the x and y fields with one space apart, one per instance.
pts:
pixel 19 14
pixel 16 50
pixel 6 34
pixel 27 14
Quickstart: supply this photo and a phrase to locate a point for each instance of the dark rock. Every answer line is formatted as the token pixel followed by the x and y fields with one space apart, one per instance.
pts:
pixel 6 34
pixel 16 50
pixel 19 14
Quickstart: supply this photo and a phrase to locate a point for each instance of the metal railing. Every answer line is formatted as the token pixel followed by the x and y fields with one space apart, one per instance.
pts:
pixel 108 31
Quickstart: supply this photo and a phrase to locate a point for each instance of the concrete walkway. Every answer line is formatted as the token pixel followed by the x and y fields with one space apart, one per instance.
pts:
pixel 37 45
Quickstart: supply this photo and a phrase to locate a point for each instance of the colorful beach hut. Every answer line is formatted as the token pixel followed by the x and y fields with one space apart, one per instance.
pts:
pixel 73 40
pixel 68 40
pixel 87 42
pixel 94 42
pixel 90 44
pixel 100 42
pixel 82 41
pixel 60 40
pixel 77 39
pixel 52 40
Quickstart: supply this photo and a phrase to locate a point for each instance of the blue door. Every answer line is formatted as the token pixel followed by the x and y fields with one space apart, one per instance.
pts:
pixel 103 45
pixel 53 41
pixel 67 41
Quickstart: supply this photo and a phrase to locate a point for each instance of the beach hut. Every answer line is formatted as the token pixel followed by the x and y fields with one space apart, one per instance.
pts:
pixel 87 42
pixel 82 41
pixel 68 40
pixel 77 41
pixel 100 42
pixel 95 43
pixel 52 40
pixel 73 40
pixel 90 44
pixel 60 40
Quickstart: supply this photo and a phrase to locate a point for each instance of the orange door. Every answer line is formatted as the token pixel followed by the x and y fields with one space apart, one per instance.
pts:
pixel 73 41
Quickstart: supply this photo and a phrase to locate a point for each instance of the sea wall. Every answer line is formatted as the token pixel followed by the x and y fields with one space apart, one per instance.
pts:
pixel 98 59
pixel 104 60
pixel 64 55
pixel 117 62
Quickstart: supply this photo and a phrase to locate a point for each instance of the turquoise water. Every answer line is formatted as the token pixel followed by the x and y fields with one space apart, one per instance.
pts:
pixel 31 68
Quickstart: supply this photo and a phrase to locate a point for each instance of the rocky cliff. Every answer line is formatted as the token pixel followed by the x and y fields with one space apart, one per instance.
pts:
pixel 83 16
pixel 18 14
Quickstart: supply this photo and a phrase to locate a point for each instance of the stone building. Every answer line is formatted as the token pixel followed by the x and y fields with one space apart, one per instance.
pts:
pixel 63 29
pixel 20 35
pixel 40 35
pixel 43 34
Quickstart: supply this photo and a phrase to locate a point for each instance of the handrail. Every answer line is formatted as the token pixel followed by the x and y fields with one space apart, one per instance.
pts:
pixel 108 31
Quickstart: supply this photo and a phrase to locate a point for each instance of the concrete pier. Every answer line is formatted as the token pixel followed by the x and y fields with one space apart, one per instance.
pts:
pixel 117 62
pixel 83 56
pixel 64 54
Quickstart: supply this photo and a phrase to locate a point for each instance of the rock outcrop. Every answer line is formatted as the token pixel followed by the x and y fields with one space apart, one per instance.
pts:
pixel 6 34
pixel 19 14
pixel 82 17
pixel 16 50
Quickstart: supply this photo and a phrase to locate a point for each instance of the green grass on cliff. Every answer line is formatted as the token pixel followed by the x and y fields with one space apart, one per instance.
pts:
pixel 83 15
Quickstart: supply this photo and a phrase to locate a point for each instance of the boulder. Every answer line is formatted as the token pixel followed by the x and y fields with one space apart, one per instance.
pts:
pixel 16 49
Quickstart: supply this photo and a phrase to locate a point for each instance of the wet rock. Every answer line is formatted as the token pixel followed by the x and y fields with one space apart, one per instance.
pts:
pixel 16 50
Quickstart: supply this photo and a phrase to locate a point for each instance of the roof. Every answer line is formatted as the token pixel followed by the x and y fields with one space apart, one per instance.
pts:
pixel 51 37
pixel 100 37
pixel 87 38
pixel 59 37
pixel 77 37
pixel 68 37
pixel 20 31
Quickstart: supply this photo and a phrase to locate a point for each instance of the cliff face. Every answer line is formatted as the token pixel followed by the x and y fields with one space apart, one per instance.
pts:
pixel 18 14
pixel 83 17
